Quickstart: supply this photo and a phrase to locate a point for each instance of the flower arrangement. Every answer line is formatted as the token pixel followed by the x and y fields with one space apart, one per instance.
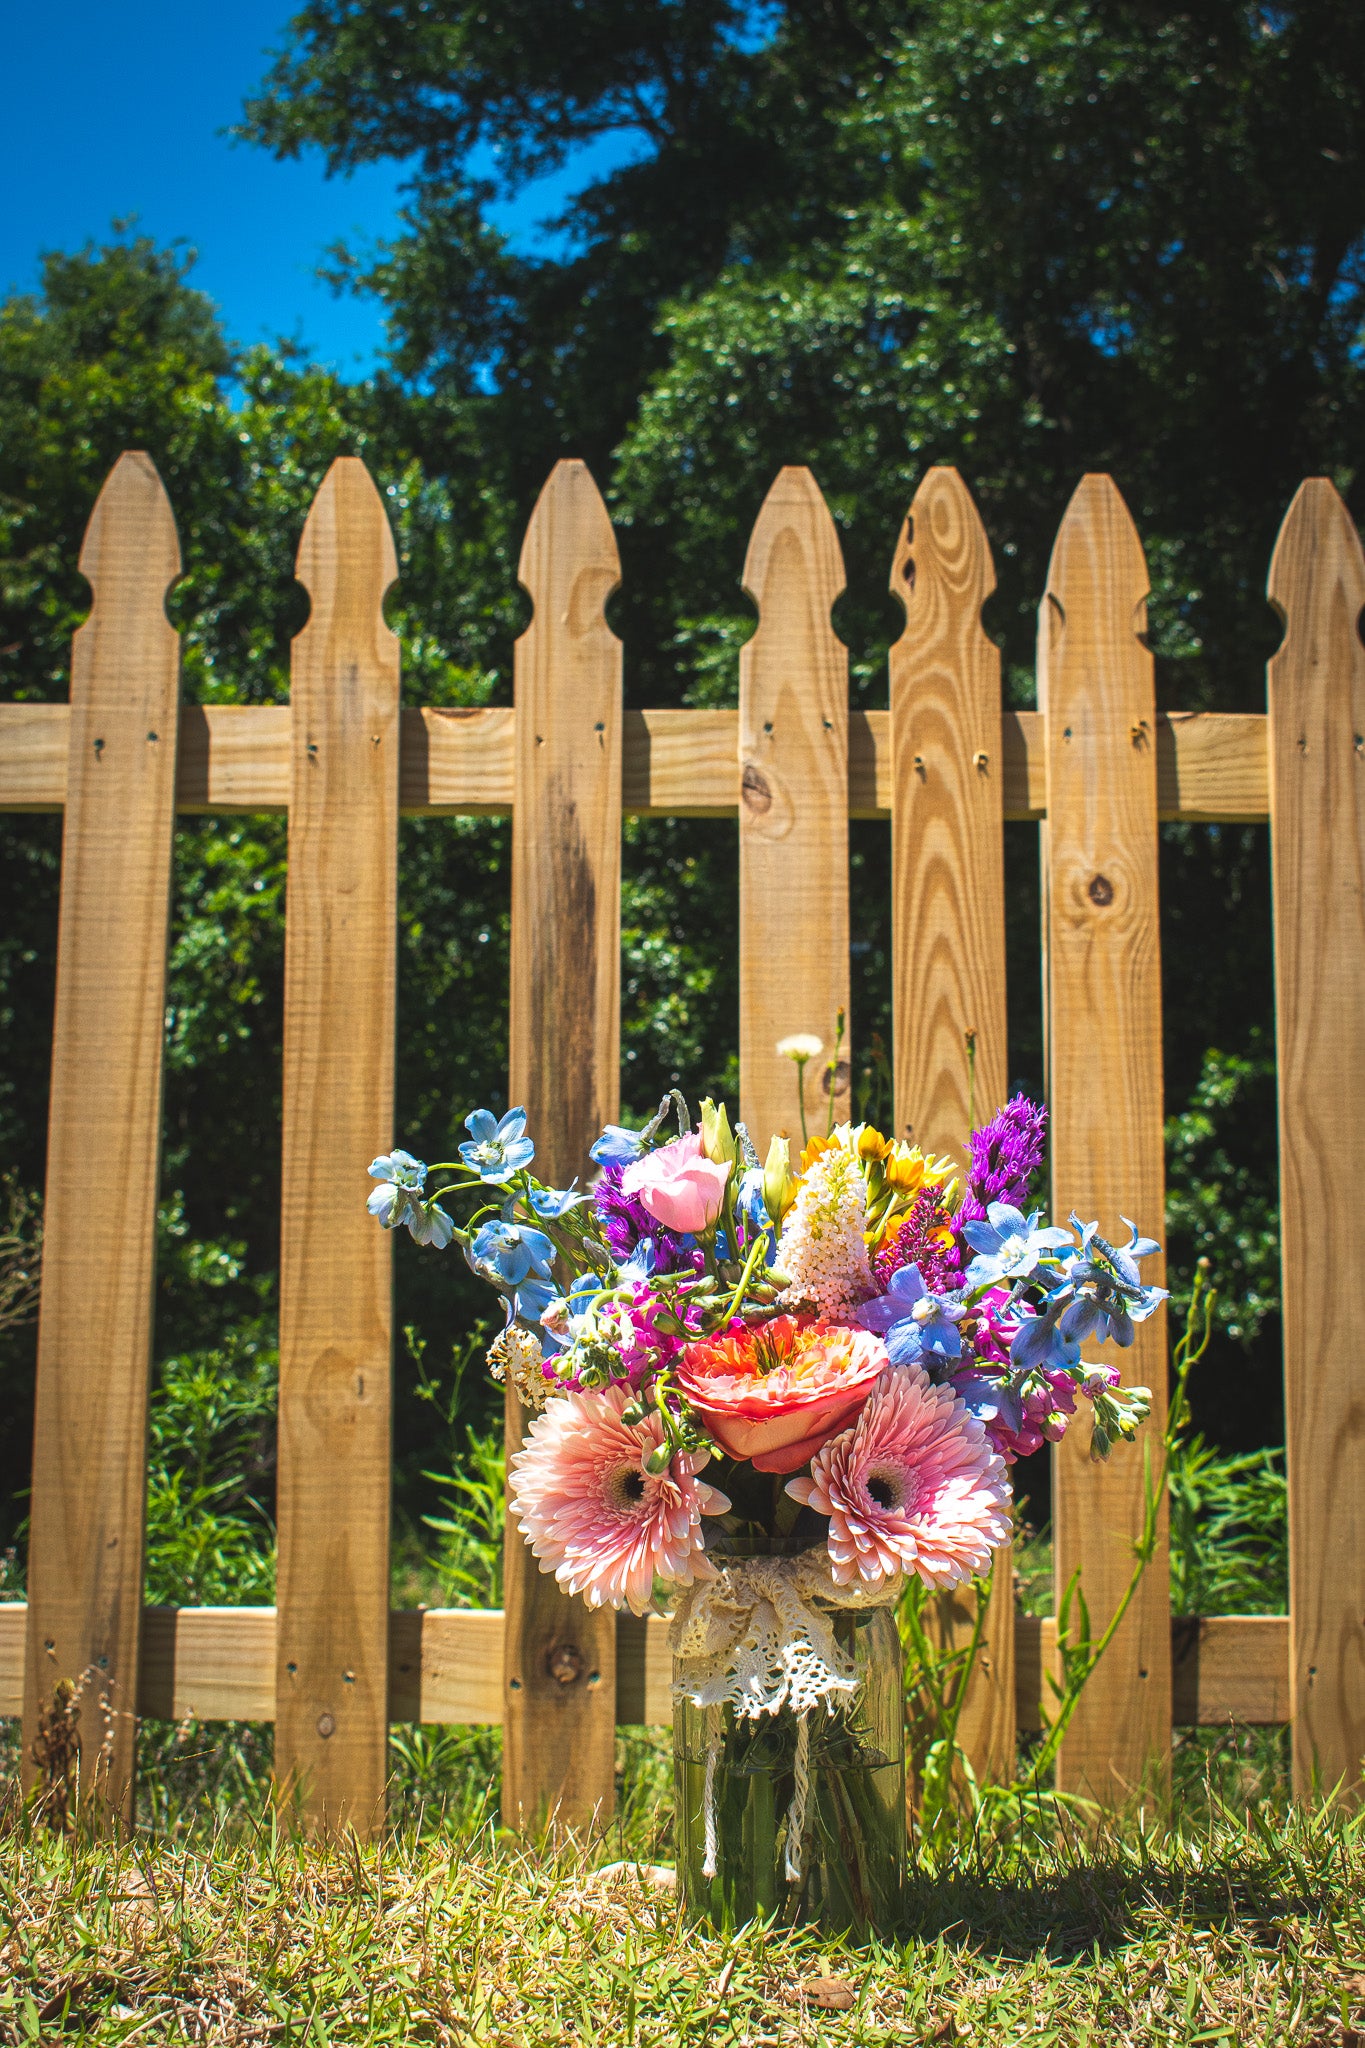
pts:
pixel 857 1345
pixel 854 1348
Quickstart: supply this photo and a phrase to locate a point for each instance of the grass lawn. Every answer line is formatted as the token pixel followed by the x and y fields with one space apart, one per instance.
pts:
pixel 1238 1923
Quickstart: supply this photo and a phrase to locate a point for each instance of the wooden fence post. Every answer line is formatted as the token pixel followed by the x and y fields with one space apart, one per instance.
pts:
pixel 1103 985
pixel 104 1142
pixel 793 812
pixel 331 1716
pixel 1317 845
pixel 948 933
pixel 559 1718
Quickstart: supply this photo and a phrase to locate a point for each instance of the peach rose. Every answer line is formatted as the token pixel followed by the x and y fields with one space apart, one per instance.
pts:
pixel 774 1392
pixel 678 1184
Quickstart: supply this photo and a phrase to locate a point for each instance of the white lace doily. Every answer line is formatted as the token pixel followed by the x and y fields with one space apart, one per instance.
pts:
pixel 760 1635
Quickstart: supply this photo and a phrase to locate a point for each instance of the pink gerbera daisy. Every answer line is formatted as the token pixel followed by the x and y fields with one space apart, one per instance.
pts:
pixel 594 1516
pixel 914 1486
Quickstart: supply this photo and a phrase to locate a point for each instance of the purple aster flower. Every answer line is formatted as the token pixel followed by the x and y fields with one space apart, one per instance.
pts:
pixel 1006 1153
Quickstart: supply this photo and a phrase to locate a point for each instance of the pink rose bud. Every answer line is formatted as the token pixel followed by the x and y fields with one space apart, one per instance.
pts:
pixel 678 1184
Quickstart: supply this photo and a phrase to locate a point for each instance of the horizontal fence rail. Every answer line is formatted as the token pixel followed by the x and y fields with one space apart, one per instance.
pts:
pixel 1096 767
pixel 1211 765
pixel 445 1666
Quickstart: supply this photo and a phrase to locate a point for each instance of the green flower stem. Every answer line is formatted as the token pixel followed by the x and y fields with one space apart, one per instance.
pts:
pixel 755 1252
pixel 840 1025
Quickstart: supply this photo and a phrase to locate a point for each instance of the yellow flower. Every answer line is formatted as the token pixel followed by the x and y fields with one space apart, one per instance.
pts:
pixel 717 1139
pixel 779 1183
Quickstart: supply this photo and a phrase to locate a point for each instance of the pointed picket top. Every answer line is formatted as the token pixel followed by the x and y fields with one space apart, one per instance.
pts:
pixel 793 813
pixel 569 563
pixel 346 560
pixel 1317 549
pixel 948 973
pixel 130 555
pixel 1316 755
pixel 941 553
pixel 1098 555
pixel 794 538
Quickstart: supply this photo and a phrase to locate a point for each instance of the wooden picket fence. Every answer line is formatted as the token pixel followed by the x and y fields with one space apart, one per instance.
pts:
pixel 1095 765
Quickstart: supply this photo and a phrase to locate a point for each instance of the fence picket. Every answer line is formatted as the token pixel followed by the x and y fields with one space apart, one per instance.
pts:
pixel 332 1501
pixel 559 1720
pixel 793 812
pixel 1103 984
pixel 948 927
pixel 1317 843
pixel 104 1139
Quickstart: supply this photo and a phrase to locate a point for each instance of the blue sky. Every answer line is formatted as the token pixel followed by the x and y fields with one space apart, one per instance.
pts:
pixel 117 107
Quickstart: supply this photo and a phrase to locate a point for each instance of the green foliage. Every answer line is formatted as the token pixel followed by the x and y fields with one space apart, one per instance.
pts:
pixel 1223 1198
pixel 210 1542
pixel 465 1560
pixel 21 1254
pixel 1229 1531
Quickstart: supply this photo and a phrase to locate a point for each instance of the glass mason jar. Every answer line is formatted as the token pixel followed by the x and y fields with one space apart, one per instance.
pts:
pixel 847 1872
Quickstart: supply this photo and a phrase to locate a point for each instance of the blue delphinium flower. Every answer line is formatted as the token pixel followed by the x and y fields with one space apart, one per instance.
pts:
pixel 429 1224
pixel 552 1203
pixel 749 1202
pixel 403 1179
pixel 512 1251
pixel 530 1302
pixel 642 1262
pixel 989 1399
pixel 1009 1246
pixel 1038 1345
pixel 496 1149
pixel 617 1146
pixel 912 1320
pixel 1109 1295
pixel 399 1200
pixel 752 1211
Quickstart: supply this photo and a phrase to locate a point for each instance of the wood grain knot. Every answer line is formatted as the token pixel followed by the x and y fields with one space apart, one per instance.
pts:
pixel 1101 891
pixel 755 789
pixel 326 1726
pixel 565 1663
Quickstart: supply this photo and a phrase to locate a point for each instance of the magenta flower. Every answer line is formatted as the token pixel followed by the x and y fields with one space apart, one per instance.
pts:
pixel 594 1516
pixel 1019 1422
pixel 914 1486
